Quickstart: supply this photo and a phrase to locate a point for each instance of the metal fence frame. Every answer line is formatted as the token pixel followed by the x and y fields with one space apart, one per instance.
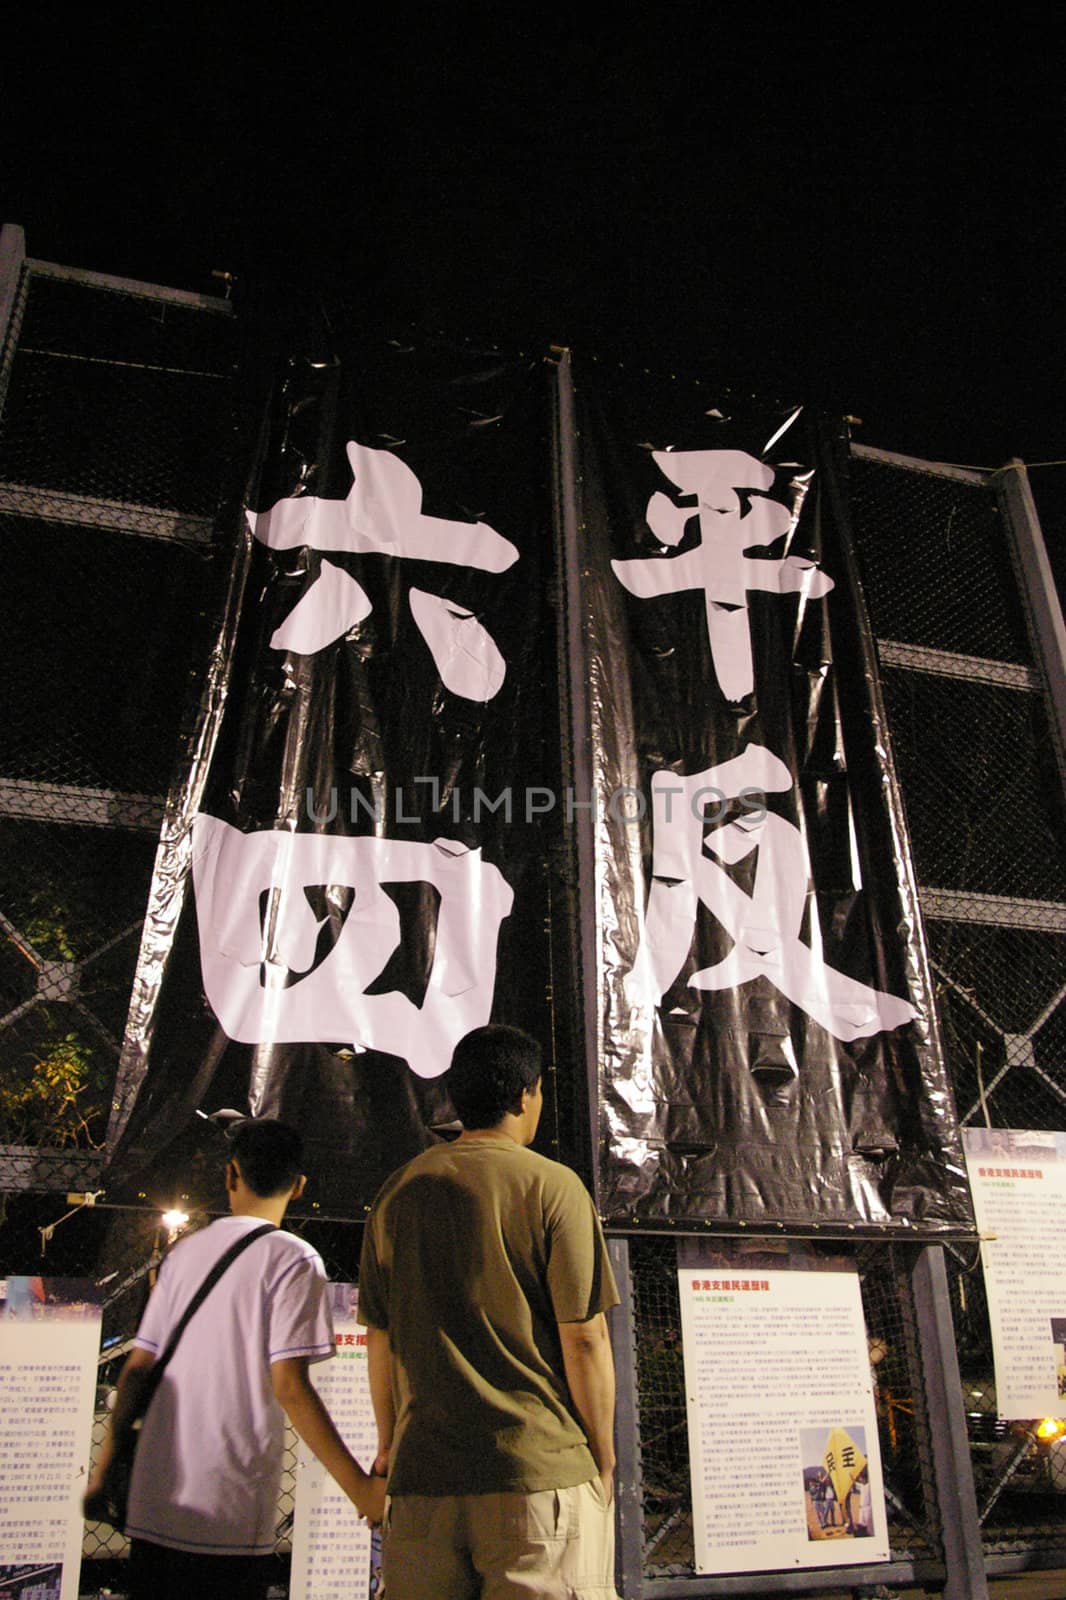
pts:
pixel 964 1560
pixel 32 800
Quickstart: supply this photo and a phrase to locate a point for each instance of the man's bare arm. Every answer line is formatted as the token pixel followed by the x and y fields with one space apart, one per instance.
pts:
pixel 128 1397
pixel 379 1364
pixel 304 1408
pixel 589 1367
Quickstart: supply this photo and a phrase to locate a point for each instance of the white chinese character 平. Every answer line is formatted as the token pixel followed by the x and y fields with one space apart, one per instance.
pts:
pixel 295 928
pixel 721 564
pixel 383 515
pixel 765 925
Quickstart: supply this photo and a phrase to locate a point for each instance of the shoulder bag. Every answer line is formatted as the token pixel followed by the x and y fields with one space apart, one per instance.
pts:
pixel 121 1470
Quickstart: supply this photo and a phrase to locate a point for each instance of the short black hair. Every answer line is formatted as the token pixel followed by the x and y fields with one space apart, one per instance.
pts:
pixel 490 1068
pixel 269 1155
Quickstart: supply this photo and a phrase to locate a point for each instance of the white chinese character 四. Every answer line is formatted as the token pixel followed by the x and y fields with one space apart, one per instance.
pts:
pixel 295 928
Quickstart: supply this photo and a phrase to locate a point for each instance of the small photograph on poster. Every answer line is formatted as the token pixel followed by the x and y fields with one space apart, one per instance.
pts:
pixel 1034 1143
pixel 33 1299
pixel 31 1581
pixel 836 1482
pixel 343 1301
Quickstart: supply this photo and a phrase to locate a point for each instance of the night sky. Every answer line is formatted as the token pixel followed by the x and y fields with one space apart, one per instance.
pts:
pixel 859 210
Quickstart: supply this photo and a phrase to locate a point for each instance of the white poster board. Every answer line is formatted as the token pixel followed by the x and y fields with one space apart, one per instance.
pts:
pixel 49 1344
pixel 786 1466
pixel 334 1555
pixel 1018 1179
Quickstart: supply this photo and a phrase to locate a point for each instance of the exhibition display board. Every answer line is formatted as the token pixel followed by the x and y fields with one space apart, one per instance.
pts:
pixel 782 1421
pixel 49 1347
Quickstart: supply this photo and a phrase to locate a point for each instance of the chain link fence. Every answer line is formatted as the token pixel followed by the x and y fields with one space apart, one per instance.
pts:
pixel 902 1415
pixel 117 435
pixel 984 804
pixel 136 391
pixel 120 1248
pixel 1019 1467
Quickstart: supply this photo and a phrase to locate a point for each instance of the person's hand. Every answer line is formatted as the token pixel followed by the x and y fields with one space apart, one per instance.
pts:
pixel 380 1469
pixel 373 1508
pixel 607 1480
pixel 95 1501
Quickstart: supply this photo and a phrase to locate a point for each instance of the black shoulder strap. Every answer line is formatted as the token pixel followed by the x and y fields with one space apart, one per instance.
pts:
pixel 224 1262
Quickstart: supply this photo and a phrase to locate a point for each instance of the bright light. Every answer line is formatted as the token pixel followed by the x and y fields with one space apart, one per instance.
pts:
pixel 174 1220
pixel 1050 1428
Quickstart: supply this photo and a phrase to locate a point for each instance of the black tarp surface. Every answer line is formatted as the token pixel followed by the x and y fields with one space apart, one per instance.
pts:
pixel 764 1032
pixel 351 872
pixel 687 872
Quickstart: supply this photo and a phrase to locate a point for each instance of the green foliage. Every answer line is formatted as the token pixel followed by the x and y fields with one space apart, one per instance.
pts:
pixel 55 1097
pixel 48 928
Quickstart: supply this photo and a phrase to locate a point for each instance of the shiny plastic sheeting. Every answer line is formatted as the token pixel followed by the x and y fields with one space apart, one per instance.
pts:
pixel 764 1025
pixel 367 868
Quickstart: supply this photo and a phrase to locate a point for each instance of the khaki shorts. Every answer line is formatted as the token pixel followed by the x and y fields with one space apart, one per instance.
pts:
pixel 557 1544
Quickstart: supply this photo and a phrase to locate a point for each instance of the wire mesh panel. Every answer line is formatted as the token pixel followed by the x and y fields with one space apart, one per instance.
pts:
pixel 979 785
pixel 981 790
pixel 116 450
pixel 903 1427
pixel 118 397
pixel 984 806
pixel 664 1446
pixel 936 563
pixel 98 631
pixel 72 901
pixel 1019 1467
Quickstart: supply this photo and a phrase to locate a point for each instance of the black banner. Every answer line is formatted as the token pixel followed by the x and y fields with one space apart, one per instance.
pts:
pixel 360 817
pixel 764 1030
pixel 363 859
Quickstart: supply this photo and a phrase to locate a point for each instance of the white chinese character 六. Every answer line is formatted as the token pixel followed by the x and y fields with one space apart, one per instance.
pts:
pixel 765 925
pixel 383 515
pixel 295 928
pixel 720 564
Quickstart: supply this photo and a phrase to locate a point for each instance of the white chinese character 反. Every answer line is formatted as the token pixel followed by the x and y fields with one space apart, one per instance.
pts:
pixel 765 925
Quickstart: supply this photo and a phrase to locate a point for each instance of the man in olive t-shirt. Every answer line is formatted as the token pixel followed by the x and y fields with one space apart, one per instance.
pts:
pixel 483 1284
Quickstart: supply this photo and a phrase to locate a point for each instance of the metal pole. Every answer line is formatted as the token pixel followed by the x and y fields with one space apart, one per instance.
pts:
pixel 1039 596
pixel 629 1490
pixel 577 733
pixel 957 1498
pixel 12 262
pixel 12 256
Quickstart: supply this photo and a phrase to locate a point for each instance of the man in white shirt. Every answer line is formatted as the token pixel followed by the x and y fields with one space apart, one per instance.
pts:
pixel 204 1490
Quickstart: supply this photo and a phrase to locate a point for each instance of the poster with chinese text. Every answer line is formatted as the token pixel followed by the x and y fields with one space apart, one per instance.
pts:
pixel 49 1344
pixel 782 1424
pixel 1018 1177
pixel 334 1554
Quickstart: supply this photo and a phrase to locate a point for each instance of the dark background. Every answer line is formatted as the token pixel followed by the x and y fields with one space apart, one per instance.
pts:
pixel 860 210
